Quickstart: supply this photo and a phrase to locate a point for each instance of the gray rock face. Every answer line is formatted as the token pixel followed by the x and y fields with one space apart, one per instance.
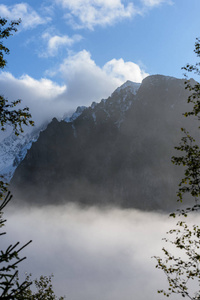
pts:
pixel 117 152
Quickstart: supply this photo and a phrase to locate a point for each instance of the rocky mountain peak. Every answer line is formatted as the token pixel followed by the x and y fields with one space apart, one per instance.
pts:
pixel 128 86
pixel 158 80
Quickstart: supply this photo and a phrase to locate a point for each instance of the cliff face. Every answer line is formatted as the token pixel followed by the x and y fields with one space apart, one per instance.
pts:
pixel 117 152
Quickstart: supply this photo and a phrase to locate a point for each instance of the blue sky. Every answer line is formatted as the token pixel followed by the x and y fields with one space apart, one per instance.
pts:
pixel 72 52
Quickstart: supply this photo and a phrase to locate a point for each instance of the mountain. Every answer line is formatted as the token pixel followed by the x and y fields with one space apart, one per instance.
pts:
pixel 13 149
pixel 116 152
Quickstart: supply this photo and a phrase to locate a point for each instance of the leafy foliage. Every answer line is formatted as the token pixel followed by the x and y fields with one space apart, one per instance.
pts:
pixel 43 289
pixel 190 183
pixel 16 118
pixel 183 271
pixel 191 158
pixel 5 32
pixel 10 287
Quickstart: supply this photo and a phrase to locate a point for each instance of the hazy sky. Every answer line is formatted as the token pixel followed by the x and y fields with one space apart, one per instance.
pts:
pixel 72 52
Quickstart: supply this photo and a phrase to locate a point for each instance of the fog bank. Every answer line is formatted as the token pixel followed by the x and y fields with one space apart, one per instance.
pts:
pixel 93 254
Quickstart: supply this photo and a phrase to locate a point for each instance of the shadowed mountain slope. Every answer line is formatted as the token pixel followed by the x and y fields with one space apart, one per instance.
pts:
pixel 117 152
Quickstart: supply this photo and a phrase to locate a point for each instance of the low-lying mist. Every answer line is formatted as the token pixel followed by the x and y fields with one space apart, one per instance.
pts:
pixel 94 254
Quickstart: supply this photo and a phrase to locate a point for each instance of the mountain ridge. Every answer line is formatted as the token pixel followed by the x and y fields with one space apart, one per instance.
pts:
pixel 13 149
pixel 116 152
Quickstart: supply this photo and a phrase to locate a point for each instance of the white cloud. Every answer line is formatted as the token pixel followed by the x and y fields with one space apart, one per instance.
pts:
pixel 88 82
pixel 124 70
pixel 91 13
pixel 83 83
pixel 41 96
pixel 96 12
pixel 43 88
pixel 55 42
pixel 152 3
pixel 29 16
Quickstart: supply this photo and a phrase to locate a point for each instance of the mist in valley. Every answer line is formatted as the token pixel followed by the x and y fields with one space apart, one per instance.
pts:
pixel 93 253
